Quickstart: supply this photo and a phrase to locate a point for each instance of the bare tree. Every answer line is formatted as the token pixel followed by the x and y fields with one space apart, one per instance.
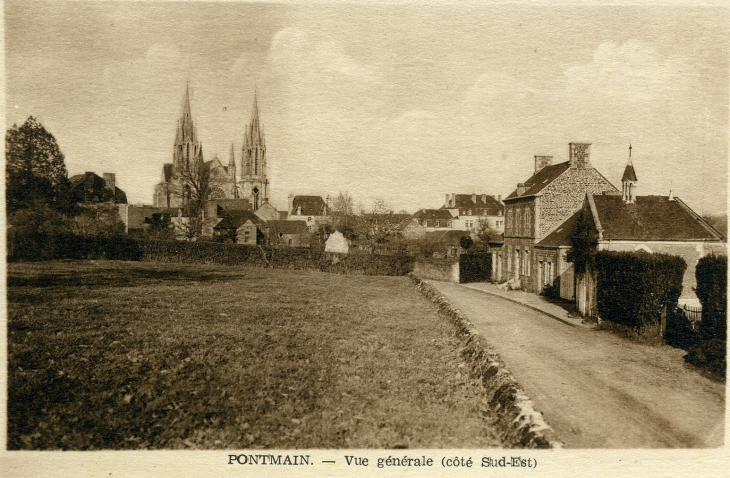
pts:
pixel 343 204
pixel 194 186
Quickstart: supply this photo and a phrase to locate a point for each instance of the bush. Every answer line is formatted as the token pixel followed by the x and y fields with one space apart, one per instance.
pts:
pixel 633 287
pixel 711 274
pixel 475 267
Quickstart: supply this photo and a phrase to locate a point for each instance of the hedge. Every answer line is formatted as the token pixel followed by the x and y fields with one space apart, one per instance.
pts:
pixel 42 247
pixel 475 267
pixel 711 274
pixel 633 287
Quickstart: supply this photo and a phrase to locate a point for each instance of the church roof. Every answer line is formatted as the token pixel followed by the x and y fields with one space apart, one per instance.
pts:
pixel 541 179
pixel 650 218
pixel 310 206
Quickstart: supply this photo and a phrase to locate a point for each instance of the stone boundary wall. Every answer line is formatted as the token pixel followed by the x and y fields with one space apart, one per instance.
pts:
pixel 437 269
pixel 514 416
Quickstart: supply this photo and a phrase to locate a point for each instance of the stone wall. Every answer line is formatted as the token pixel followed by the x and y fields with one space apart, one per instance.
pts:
pixel 437 269
pixel 565 195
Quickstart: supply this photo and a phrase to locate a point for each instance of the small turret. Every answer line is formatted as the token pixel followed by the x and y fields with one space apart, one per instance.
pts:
pixel 628 182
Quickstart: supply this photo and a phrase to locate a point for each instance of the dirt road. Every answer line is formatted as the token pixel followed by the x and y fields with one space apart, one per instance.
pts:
pixel 598 390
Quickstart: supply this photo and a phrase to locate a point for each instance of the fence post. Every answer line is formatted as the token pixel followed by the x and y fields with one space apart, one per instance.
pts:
pixel 664 321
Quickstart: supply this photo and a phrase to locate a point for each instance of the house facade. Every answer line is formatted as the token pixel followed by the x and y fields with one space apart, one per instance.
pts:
pixel 470 211
pixel 313 210
pixel 537 208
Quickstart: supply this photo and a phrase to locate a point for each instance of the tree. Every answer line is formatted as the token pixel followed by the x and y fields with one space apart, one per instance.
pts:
pixel 343 204
pixel 35 171
pixel 194 186
pixel 98 220
pixel 485 234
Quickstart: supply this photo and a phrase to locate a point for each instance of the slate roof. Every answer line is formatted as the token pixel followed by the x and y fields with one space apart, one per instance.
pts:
pixel 629 173
pixel 432 214
pixel 450 237
pixel 311 206
pixel 650 218
pixel 561 235
pixel 226 206
pixel 464 201
pixel 539 181
pixel 237 219
pixel 287 227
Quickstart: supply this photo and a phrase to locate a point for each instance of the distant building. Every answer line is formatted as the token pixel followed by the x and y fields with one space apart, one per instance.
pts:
pixel 90 188
pixel 288 233
pixel 241 227
pixel 471 210
pixel 313 210
pixel 435 219
pixel 251 183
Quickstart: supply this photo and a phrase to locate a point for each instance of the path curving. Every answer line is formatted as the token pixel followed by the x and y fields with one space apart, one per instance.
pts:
pixel 596 389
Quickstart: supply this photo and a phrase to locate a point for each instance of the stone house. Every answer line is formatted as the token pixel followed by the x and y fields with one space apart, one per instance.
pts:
pixel 217 209
pixel 537 208
pixel 470 210
pixel 313 210
pixel 654 224
pixel 435 219
pixel 288 233
pixel 241 227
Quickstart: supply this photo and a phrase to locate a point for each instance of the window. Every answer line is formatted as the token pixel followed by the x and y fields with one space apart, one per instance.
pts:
pixel 309 228
pixel 246 236
pixel 309 219
pixel 436 223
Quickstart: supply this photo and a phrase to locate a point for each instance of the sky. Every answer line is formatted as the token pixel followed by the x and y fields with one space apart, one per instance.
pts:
pixel 402 102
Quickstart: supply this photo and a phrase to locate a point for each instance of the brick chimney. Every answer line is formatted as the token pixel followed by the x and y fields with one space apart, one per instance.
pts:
pixel 521 188
pixel 579 155
pixel 474 198
pixel 447 203
pixel 110 183
pixel 542 161
pixel 499 197
pixel 484 198
pixel 453 199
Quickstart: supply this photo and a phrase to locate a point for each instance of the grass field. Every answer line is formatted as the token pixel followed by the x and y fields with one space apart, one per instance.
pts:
pixel 128 355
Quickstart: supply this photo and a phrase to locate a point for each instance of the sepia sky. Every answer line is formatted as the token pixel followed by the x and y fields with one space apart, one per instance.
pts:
pixel 404 102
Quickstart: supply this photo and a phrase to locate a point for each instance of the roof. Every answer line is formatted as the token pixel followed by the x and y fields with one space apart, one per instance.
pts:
pixel 138 215
pixel 311 206
pixel 451 237
pixel 237 219
pixel 78 189
pixel 541 179
pixel 629 173
pixel 650 218
pixel 433 214
pixel 483 201
pixel 561 235
pixel 287 227
pixel 225 206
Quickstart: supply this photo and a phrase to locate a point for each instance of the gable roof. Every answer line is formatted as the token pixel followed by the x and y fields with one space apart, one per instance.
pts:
pixel 433 214
pixel 229 206
pixel 650 218
pixel 483 201
pixel 287 227
pixel 561 235
pixel 451 237
pixel 541 179
pixel 237 219
pixel 311 206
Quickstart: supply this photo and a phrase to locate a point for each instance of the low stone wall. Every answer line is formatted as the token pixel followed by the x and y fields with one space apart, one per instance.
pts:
pixel 513 413
pixel 437 269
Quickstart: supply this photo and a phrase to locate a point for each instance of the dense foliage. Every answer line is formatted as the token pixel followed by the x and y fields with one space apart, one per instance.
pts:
pixel 634 287
pixel 475 267
pixel 584 242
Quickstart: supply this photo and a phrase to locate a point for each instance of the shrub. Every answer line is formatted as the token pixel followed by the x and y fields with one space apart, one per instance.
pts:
pixel 633 287
pixel 475 267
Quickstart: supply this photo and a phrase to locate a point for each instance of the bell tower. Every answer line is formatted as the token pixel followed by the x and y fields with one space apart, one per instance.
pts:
pixel 254 184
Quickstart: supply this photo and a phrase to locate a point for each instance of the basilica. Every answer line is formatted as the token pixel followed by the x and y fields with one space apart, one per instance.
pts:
pixel 189 170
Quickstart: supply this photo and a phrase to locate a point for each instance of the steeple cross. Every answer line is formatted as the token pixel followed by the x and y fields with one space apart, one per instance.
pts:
pixel 629 150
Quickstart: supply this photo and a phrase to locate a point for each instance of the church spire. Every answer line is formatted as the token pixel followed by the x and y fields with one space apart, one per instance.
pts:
pixel 187 147
pixel 628 181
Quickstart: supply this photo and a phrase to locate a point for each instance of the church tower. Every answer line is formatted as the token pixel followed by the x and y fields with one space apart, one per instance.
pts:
pixel 254 185
pixel 188 152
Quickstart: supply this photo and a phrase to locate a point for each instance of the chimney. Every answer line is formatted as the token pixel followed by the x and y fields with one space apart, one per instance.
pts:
pixel 671 196
pixel 474 198
pixel 499 197
pixel 88 186
pixel 484 198
pixel 446 203
pixel 521 188
pixel 291 204
pixel 328 200
pixel 453 199
pixel 579 155
pixel 542 161
pixel 110 180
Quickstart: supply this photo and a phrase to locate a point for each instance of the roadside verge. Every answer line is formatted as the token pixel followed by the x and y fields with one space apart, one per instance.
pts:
pixel 517 422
